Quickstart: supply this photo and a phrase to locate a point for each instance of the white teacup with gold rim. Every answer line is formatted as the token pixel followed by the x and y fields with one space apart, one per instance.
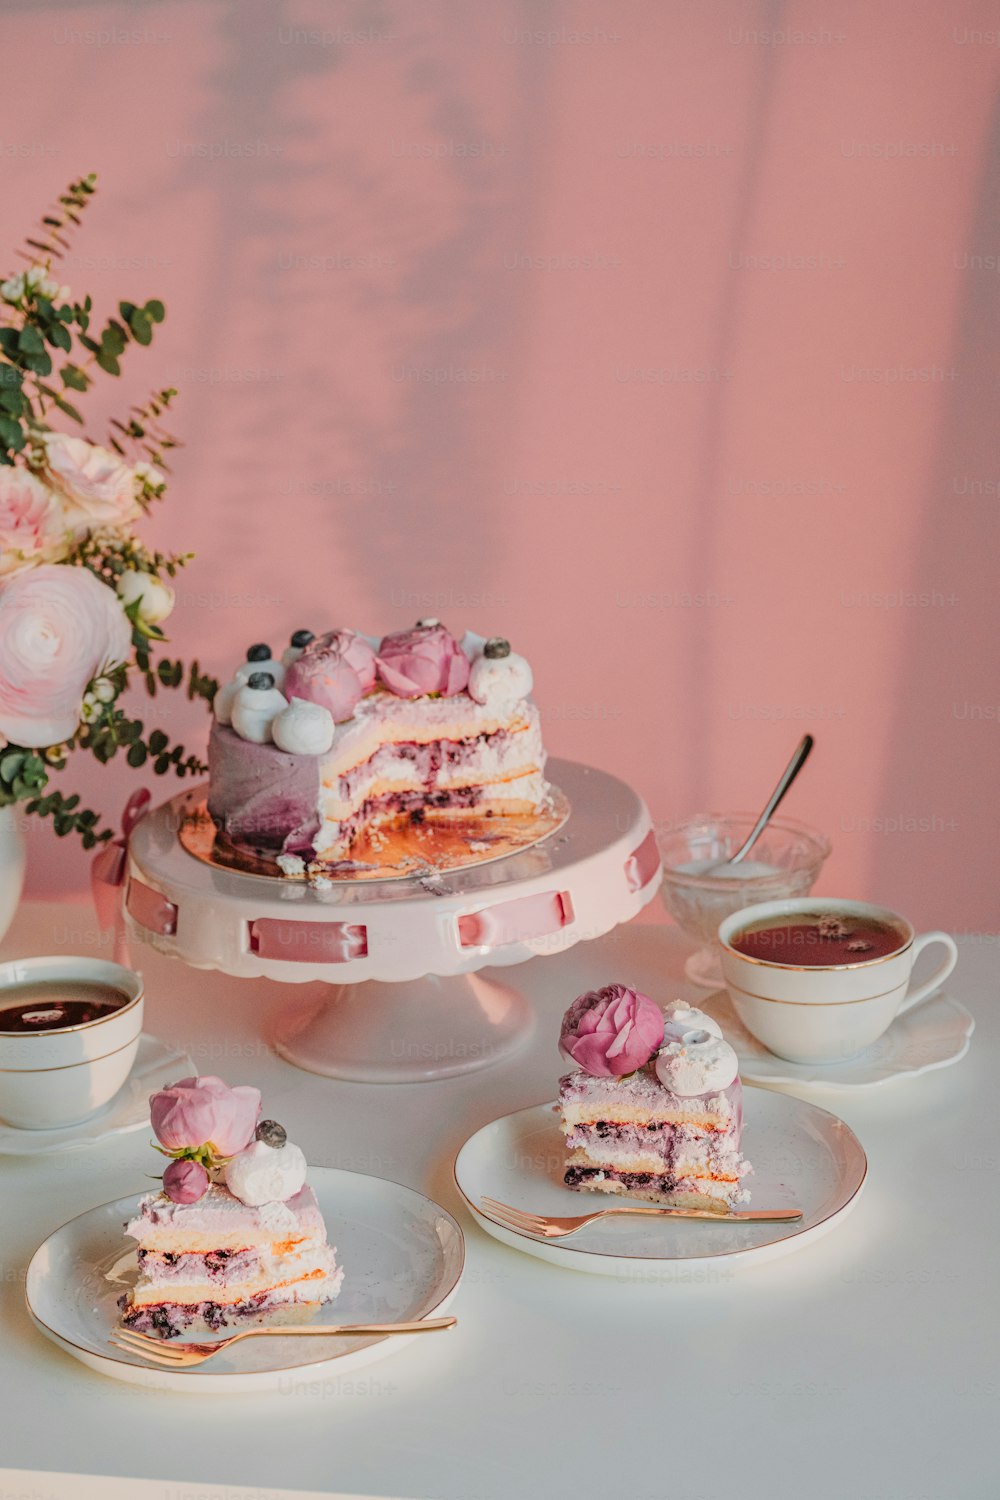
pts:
pixel 818 979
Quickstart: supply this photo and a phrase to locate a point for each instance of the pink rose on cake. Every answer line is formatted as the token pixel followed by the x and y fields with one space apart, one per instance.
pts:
pixel 60 627
pixel 426 659
pixel 185 1181
pixel 198 1112
pixel 32 526
pixel 95 484
pixel 612 1031
pixel 334 672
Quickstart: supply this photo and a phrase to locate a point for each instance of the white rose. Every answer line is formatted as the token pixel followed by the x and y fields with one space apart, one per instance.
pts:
pixel 155 599
pixel 93 480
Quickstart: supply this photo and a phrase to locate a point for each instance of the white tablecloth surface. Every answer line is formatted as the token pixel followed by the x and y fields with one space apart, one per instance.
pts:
pixel 862 1368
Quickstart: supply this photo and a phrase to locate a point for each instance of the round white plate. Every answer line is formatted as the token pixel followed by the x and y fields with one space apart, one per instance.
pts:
pixel 932 1035
pixel 802 1157
pixel 156 1065
pixel 402 1257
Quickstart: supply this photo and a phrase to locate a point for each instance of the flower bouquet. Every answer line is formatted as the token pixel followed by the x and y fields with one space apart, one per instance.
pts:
pixel 82 599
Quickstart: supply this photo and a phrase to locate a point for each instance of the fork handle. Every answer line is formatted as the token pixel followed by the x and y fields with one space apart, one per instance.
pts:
pixel 779 1214
pixel 419 1325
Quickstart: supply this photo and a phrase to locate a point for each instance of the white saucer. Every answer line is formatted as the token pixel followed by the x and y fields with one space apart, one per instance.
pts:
pixel 932 1035
pixel 402 1257
pixel 802 1157
pixel 156 1065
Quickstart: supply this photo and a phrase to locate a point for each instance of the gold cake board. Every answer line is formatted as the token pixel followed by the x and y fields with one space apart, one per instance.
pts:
pixel 436 845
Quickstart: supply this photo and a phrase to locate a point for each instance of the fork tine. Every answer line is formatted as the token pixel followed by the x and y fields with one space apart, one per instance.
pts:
pixel 514 1218
pixel 137 1343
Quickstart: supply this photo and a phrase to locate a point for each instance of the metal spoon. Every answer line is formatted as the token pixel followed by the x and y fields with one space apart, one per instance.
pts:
pixel 789 774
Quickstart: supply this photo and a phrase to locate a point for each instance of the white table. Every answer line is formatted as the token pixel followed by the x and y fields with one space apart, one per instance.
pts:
pixel 862 1368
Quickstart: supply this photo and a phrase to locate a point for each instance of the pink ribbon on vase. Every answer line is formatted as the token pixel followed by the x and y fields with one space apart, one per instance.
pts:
pixel 107 874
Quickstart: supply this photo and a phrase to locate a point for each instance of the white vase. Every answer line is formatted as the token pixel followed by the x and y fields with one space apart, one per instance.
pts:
pixel 13 854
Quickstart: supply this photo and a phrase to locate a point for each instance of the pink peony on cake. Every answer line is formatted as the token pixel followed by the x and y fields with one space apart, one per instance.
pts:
pixel 236 1233
pixel 347 733
pixel 654 1108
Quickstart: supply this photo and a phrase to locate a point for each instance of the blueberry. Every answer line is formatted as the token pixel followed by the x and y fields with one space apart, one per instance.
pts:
pixel 496 648
pixel 301 638
pixel 260 681
pixel 259 652
pixel 271 1133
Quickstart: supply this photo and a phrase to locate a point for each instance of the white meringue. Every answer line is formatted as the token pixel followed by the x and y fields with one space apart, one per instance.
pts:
pixel 303 728
pixel 697 1063
pixel 500 679
pixel 682 1017
pixel 254 711
pixel 246 668
pixel 266 1174
pixel 222 703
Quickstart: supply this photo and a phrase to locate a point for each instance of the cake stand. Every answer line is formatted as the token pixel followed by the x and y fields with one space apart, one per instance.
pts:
pixel 404 990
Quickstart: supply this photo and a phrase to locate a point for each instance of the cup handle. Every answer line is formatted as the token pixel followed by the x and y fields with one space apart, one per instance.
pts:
pixel 940 974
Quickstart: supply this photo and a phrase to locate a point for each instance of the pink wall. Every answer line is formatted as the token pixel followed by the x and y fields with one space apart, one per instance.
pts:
pixel 695 489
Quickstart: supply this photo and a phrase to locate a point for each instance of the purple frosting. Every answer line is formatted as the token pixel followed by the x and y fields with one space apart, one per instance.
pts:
pixel 262 795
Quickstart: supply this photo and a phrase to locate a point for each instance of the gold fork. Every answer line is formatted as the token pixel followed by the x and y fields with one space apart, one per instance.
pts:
pixel 551 1228
pixel 181 1356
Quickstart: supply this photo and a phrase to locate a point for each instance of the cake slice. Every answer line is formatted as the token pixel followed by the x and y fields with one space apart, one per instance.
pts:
pixel 654 1108
pixel 231 1238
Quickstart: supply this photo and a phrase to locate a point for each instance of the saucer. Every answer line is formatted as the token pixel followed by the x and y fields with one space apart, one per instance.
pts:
pixel 157 1064
pixel 402 1257
pixel 932 1035
pixel 802 1157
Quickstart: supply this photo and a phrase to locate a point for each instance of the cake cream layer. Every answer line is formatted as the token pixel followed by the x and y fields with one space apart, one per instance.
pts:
pixel 291 1303
pixel 275 1272
pixel 666 1188
pixel 642 1100
pixel 221 1222
pixel 683 1152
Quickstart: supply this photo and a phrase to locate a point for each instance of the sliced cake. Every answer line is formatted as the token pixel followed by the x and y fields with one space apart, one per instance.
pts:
pixel 653 1109
pixel 236 1234
pixel 346 734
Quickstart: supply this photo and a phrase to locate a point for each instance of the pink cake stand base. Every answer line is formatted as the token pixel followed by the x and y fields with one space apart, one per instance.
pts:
pixel 407 986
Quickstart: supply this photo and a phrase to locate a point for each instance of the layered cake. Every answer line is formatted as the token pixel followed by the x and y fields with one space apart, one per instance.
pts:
pixel 347 733
pixel 654 1106
pixel 236 1234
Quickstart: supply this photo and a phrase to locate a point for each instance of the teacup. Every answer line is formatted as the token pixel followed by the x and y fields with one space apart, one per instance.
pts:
pixel 55 1071
pixel 825 1012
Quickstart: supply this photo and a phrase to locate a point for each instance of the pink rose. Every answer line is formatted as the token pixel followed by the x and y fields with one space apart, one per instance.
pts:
pixel 60 627
pixel 427 659
pixel 94 481
pixel 32 527
pixel 354 649
pixel 185 1181
pixel 326 673
pixel 201 1111
pixel 613 1031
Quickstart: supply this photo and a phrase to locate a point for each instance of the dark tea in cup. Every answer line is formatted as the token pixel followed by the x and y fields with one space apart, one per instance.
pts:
pixel 819 939
pixel 52 1005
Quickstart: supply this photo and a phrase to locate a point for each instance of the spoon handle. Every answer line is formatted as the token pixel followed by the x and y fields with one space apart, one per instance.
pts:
pixel 789 774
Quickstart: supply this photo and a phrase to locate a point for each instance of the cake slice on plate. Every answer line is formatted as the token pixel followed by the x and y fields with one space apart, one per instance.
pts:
pixel 653 1109
pixel 236 1233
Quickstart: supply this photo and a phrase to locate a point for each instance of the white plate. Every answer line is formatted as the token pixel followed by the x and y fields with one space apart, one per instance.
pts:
pixel 402 1257
pixel 802 1157
pixel 156 1065
pixel 932 1035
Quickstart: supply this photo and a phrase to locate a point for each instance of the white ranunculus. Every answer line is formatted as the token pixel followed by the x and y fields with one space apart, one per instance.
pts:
pixel 156 599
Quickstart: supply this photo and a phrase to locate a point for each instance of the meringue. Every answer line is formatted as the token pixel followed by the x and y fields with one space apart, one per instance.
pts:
pixel 266 1174
pixel 303 728
pixel 500 679
pixel 697 1063
pixel 682 1017
pixel 254 711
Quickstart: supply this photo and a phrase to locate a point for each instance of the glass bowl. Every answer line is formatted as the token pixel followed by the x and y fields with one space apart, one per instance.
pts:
pixel 785 861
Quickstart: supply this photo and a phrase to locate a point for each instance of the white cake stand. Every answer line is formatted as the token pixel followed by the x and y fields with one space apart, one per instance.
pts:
pixel 405 993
